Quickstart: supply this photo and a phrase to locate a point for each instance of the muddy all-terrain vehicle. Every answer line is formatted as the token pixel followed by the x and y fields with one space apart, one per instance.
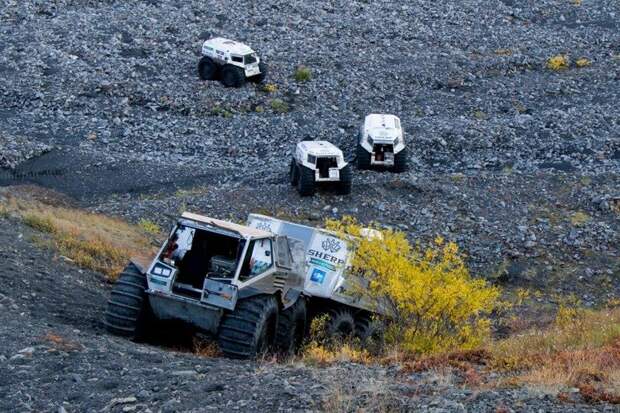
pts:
pixel 381 143
pixel 256 287
pixel 241 284
pixel 231 62
pixel 318 162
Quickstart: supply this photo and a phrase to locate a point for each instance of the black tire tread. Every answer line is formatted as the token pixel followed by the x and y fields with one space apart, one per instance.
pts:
pixel 205 60
pixel 306 185
pixel 346 180
pixel 128 308
pixel 363 157
pixel 337 319
pixel 232 76
pixel 293 174
pixel 401 161
pixel 239 330
pixel 287 339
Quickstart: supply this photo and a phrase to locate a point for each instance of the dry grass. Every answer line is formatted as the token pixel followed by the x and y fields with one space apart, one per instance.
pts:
pixel 370 396
pixel 579 219
pixel 60 343
pixel 92 241
pixel 582 349
pixel 149 226
pixel 270 88
pixel 583 62
pixel 205 348
pixel 323 355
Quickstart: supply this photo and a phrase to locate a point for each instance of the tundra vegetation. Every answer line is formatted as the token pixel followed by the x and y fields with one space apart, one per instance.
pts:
pixel 443 316
pixel 302 74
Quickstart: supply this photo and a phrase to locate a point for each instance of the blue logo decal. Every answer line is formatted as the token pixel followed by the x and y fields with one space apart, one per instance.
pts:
pixel 318 276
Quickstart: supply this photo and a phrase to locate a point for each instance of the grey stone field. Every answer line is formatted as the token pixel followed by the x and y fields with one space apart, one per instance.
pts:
pixel 101 101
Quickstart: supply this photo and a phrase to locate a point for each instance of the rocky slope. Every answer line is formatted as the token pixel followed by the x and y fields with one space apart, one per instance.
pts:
pixel 55 356
pixel 101 100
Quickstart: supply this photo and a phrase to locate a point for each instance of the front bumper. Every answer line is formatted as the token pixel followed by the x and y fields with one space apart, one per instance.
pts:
pixel 252 71
pixel 334 176
pixel 382 158
pixel 174 307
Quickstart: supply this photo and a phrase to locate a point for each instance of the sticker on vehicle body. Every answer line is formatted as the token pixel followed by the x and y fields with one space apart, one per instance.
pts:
pixel 318 276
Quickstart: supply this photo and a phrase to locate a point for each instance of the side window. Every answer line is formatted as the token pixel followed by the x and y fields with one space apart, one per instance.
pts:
pixel 237 59
pixel 312 159
pixel 258 259
pixel 283 258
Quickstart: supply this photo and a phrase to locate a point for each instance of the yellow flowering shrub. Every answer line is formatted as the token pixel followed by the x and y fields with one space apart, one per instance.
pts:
pixel 558 62
pixel 436 304
pixel 583 62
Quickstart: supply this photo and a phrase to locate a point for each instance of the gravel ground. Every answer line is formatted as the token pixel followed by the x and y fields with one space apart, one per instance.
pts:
pixel 519 164
pixel 55 355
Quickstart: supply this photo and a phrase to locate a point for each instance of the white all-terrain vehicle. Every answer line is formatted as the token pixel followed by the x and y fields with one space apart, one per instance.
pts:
pixel 231 62
pixel 255 287
pixel 381 143
pixel 317 162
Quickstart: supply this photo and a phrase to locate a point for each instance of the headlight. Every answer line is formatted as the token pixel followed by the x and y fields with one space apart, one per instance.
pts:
pixel 161 270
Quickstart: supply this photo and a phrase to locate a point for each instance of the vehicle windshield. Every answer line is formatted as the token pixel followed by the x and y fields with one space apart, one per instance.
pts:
pixel 197 253
pixel 250 58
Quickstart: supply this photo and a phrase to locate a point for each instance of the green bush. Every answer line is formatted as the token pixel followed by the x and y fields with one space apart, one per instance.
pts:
pixel 303 74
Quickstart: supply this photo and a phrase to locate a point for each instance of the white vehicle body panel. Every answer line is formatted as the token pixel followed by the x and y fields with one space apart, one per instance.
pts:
pixel 327 260
pixel 226 51
pixel 320 149
pixel 382 129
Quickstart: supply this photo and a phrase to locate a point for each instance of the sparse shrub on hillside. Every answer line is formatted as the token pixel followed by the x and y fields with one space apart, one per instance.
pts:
pixel 437 305
pixel 278 105
pixel 579 219
pixel 503 52
pixel 321 350
pixel 149 226
pixel 205 348
pixel 270 88
pixel 303 74
pixel 220 111
pixel 583 62
pixel 40 223
pixel 4 212
pixel 558 62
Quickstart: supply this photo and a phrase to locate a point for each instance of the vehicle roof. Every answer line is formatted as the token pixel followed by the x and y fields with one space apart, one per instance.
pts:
pixel 243 230
pixel 382 126
pixel 227 45
pixel 382 120
pixel 320 148
pixel 368 233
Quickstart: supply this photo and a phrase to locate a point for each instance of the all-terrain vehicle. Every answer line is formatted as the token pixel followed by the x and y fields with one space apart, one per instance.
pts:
pixel 231 62
pixel 317 162
pixel 254 287
pixel 242 284
pixel 381 143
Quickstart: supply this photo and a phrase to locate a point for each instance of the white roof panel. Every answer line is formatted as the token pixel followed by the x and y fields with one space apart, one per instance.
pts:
pixel 243 230
pixel 220 43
